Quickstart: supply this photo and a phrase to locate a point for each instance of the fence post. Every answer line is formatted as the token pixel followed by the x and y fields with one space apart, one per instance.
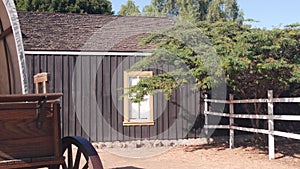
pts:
pixel 231 122
pixel 206 117
pixel 271 141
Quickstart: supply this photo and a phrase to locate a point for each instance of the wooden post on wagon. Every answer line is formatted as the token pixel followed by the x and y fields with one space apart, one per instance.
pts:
pixel 41 79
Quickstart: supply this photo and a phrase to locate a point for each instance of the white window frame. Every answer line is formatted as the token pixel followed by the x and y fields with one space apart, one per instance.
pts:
pixel 127 104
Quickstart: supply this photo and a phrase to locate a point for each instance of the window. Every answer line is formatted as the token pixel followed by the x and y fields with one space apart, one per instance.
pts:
pixel 137 113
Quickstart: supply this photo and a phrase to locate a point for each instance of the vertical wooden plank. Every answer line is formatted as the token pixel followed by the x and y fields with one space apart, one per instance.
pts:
pixel 190 111
pixel 180 113
pixel 166 115
pixel 57 79
pixel 106 98
pixel 271 141
pixel 144 130
pixel 185 112
pixel 36 69
pixel 178 123
pixel 113 87
pixel 30 71
pixel 57 74
pixel 172 116
pixel 71 96
pixel 99 96
pixel 93 105
pixel 43 63
pixel 126 66
pixel 198 114
pixel 231 122
pixel 85 95
pixel 167 120
pixel 137 129
pixel 48 65
pixel 132 132
pixel 98 116
pixel 153 129
pixel 120 80
pixel 160 112
pixel 66 96
pixel 77 94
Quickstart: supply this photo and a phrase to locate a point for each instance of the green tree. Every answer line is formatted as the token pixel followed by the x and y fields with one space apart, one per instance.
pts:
pixel 155 8
pixel 196 10
pixel 163 8
pixel 257 60
pixel 223 10
pixel 22 5
pixel 190 55
pixel 129 9
pixel 66 6
pixel 253 61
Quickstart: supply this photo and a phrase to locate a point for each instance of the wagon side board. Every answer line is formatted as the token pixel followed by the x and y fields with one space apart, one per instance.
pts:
pixel 24 143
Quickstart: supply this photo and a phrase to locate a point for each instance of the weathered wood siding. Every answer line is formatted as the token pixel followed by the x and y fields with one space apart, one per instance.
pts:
pixel 92 105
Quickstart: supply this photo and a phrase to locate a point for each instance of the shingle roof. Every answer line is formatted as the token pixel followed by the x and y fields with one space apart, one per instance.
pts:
pixel 75 32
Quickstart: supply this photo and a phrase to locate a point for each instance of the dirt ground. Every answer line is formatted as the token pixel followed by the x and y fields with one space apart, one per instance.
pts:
pixel 202 156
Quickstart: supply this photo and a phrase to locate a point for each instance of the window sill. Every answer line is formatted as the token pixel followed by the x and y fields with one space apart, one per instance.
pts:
pixel 138 123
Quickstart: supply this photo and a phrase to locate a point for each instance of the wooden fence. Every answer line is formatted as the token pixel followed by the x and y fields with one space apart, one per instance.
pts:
pixel 270 117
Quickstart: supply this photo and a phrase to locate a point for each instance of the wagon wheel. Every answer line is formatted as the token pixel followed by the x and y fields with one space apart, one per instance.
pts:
pixel 85 155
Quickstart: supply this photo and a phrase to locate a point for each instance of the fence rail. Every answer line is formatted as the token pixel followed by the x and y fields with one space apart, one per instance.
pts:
pixel 270 117
pixel 274 100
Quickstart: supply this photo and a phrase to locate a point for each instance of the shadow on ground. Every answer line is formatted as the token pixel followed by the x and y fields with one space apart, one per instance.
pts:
pixel 283 147
pixel 128 167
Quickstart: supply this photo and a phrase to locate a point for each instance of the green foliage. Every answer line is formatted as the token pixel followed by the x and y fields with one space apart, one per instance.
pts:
pixel 190 57
pixel 66 6
pixel 253 60
pixel 155 8
pixel 256 60
pixel 194 11
pixel 223 10
pixel 162 82
pixel 129 9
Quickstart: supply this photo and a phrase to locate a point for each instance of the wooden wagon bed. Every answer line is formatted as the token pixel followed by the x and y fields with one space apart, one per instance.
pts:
pixel 30 130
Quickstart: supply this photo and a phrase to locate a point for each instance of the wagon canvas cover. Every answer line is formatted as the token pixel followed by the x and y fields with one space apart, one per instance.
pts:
pixel 13 79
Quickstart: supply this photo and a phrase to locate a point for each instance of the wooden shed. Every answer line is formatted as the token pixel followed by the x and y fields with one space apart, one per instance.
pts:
pixel 87 57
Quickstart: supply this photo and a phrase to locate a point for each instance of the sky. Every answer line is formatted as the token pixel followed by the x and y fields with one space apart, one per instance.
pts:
pixel 269 13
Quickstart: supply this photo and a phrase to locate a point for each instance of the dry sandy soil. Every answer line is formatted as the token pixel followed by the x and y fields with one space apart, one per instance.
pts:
pixel 202 156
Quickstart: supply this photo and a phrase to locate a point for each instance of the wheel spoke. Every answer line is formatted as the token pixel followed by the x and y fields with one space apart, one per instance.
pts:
pixel 86 166
pixel 64 166
pixel 77 159
pixel 70 157
pixel 84 148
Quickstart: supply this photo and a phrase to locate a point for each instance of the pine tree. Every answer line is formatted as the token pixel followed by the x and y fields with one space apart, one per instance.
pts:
pixel 66 6
pixel 129 9
pixel 196 10
pixel 223 10
pixel 155 8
